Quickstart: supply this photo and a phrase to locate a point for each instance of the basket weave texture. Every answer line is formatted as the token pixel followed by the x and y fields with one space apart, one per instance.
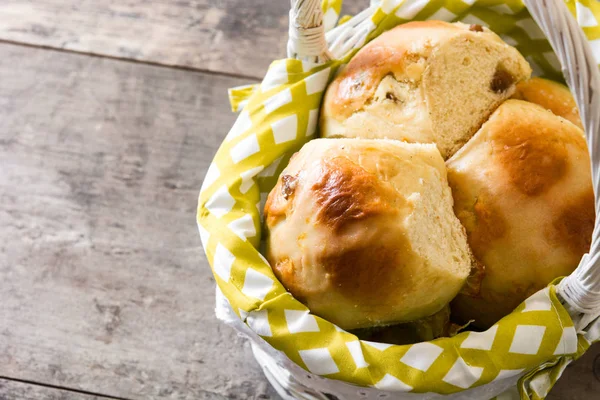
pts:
pixel 277 117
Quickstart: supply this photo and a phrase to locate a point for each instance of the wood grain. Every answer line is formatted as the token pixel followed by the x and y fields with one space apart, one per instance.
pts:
pixel 581 380
pixel 103 283
pixel 230 36
pixel 11 390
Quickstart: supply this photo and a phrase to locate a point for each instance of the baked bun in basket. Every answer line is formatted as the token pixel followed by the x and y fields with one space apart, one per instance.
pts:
pixel 425 82
pixel 522 189
pixel 551 95
pixel 363 232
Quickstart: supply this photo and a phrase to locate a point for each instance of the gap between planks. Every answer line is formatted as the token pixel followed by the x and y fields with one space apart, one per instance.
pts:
pixel 62 388
pixel 133 60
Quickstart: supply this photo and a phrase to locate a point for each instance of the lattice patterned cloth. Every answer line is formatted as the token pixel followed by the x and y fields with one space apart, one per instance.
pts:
pixel 277 117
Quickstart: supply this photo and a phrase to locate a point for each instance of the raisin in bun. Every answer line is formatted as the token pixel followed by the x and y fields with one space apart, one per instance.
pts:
pixel 363 232
pixel 425 82
pixel 522 189
pixel 551 95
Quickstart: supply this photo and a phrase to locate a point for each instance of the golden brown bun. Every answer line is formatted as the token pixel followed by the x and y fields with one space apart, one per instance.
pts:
pixel 523 191
pixel 425 82
pixel 550 95
pixel 363 232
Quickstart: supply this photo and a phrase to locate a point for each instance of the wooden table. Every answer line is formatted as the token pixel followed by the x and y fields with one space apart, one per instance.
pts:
pixel 110 112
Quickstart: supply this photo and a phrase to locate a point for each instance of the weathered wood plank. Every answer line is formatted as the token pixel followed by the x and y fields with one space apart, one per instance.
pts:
pixel 11 390
pixel 581 380
pixel 233 36
pixel 103 283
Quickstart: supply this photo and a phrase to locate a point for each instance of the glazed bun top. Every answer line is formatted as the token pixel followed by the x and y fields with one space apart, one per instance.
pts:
pixel 363 232
pixel 552 96
pixel 523 190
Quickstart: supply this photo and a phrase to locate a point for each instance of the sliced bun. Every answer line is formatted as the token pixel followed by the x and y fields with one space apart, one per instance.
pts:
pixel 424 82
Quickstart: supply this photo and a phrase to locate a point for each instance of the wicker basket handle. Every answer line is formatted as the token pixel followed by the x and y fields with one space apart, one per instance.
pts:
pixel 307 33
pixel 581 290
pixel 308 39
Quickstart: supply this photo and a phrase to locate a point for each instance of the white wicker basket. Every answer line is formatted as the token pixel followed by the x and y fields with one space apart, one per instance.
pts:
pixel 579 292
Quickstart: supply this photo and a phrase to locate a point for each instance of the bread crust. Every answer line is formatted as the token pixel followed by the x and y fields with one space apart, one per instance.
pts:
pixel 408 84
pixel 523 191
pixel 393 52
pixel 343 224
pixel 551 95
